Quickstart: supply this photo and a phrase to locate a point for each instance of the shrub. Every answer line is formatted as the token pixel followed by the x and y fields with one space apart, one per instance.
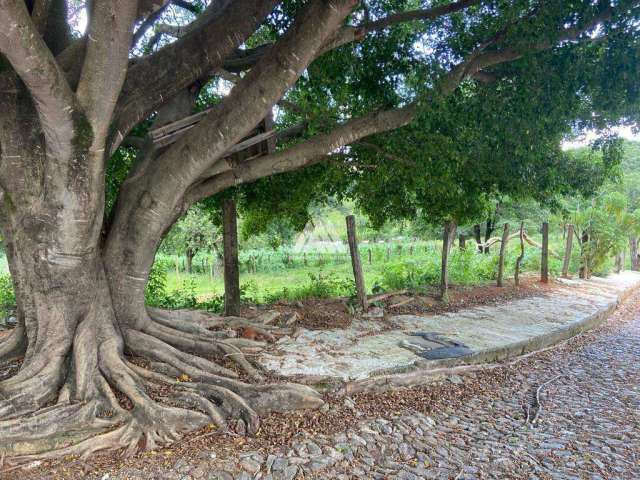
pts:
pixel 7 295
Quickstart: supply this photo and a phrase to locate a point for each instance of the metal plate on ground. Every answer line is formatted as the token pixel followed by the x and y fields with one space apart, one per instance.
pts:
pixel 433 346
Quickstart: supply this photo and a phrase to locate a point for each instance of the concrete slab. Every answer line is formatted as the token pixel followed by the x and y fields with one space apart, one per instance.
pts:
pixel 365 350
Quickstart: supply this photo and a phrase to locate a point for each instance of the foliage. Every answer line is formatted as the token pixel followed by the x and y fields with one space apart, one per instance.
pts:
pixel 7 295
pixel 194 232
pixel 320 285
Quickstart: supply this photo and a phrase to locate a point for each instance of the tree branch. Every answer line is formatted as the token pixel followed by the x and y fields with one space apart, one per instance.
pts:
pixel 245 59
pixel 349 34
pixel 181 63
pixel 303 154
pixel 34 63
pixel 105 63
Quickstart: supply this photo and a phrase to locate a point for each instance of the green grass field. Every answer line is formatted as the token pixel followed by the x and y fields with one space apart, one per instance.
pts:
pixel 415 265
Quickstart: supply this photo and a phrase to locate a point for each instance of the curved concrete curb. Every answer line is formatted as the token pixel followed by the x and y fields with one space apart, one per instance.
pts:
pixel 425 371
pixel 370 356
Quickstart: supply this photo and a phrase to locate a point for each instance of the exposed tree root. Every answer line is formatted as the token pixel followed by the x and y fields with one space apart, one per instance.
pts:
pixel 103 401
pixel 14 345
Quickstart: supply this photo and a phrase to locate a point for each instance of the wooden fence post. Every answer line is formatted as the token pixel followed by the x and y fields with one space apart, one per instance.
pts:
pixel 503 249
pixel 544 258
pixel 231 270
pixel 584 254
pixel 633 251
pixel 448 234
pixel 355 262
pixel 369 252
pixel 462 241
pixel 516 273
pixel 618 267
pixel 567 251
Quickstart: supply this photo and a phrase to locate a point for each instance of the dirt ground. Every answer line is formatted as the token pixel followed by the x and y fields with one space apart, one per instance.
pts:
pixel 330 313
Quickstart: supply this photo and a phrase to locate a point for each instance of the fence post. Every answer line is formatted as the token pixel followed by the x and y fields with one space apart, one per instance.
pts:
pixel 567 251
pixel 516 274
pixel 476 234
pixel 369 252
pixel 355 261
pixel 448 234
pixel 633 252
pixel 462 241
pixel 503 249
pixel 231 270
pixel 544 259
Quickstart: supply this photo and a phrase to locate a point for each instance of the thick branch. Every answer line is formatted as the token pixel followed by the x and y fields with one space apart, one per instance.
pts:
pixel 27 53
pixel 105 63
pixel 305 153
pixel 256 94
pixel 154 79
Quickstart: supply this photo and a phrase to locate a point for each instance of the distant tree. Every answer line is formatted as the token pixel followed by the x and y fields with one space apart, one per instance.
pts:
pixel 193 233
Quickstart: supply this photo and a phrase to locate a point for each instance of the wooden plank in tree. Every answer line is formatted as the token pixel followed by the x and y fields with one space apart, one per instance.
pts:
pixel 355 262
pixel 567 251
pixel 178 125
pixel 231 267
pixel 503 249
pixel 544 258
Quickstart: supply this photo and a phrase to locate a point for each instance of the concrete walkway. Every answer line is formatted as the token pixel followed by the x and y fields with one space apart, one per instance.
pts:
pixel 369 354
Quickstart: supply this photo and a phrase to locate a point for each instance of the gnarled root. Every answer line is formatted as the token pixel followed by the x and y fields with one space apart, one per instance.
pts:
pixel 13 345
pixel 101 400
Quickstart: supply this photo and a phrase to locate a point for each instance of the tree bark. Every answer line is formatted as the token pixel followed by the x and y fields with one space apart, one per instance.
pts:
pixel 231 264
pixel 503 249
pixel 544 257
pixel 356 263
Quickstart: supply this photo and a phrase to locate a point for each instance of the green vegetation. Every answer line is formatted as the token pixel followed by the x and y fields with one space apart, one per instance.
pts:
pixel 7 296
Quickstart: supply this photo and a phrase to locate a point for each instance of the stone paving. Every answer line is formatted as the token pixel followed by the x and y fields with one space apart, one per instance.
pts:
pixel 588 428
pixel 369 349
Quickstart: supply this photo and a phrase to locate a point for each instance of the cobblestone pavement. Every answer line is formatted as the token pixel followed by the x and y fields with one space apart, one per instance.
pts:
pixel 588 426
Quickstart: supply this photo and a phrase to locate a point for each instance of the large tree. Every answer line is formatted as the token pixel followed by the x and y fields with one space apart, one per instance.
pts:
pixel 93 355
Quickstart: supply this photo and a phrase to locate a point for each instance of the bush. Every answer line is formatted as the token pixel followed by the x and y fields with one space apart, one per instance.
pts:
pixel 7 296
pixel 156 294
pixel 319 286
